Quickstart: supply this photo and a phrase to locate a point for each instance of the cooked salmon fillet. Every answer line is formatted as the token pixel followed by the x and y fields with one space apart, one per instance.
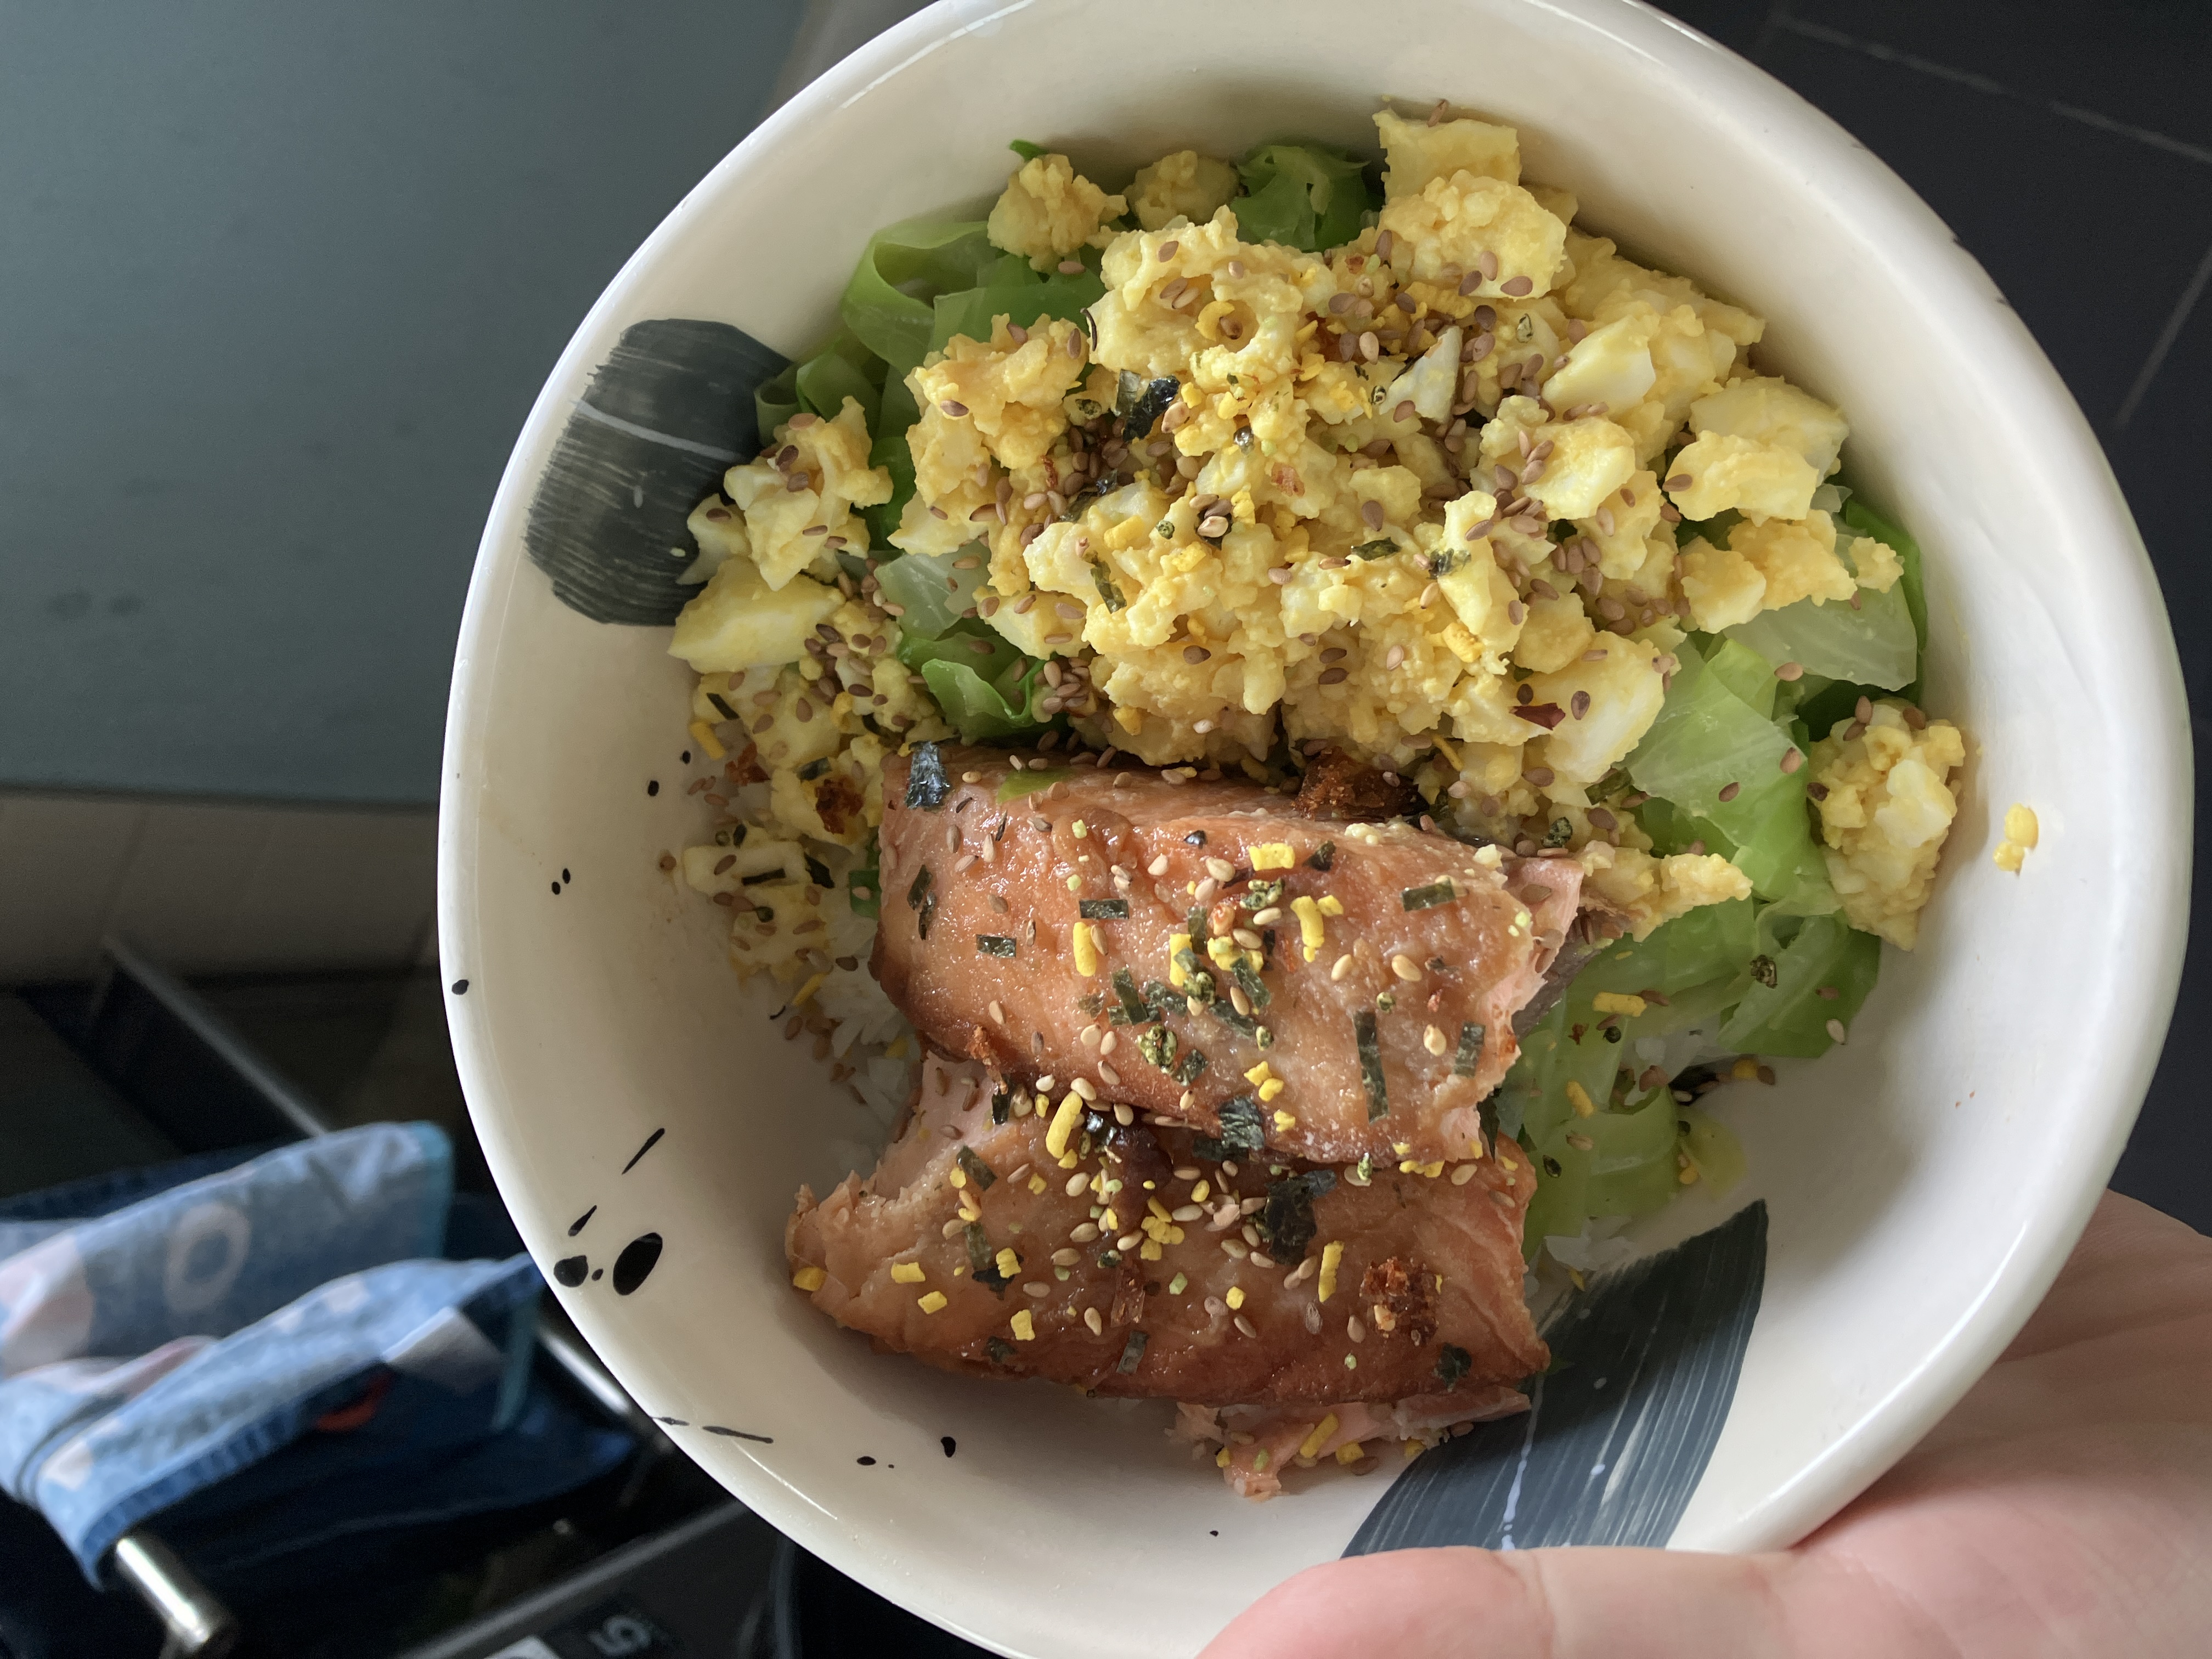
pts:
pixel 1206 951
pixel 1122 1258
pixel 1254 1444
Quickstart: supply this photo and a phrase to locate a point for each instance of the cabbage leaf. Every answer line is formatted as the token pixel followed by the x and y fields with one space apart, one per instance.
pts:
pixel 1305 196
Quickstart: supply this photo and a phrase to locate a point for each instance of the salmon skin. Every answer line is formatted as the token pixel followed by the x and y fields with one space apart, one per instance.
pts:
pixel 1331 991
pixel 1123 1263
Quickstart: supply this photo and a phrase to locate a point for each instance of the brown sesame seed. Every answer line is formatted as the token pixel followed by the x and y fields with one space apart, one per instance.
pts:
pixel 1790 670
pixel 1578 705
pixel 1730 791
pixel 1486 263
pixel 1793 760
pixel 1680 481
pixel 1333 676
pixel 1517 286
pixel 1195 654
pixel 1862 711
pixel 1070 268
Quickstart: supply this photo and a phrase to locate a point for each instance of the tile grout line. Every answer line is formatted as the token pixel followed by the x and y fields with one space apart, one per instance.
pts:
pixel 1781 18
pixel 2175 322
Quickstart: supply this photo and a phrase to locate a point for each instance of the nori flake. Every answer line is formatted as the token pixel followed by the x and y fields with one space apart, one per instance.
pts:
pixel 1561 832
pixel 1101 578
pixel 1243 1024
pixel 1370 1064
pixel 812 769
pixel 1001 1350
pixel 1324 856
pixel 927 784
pixel 1288 1220
pixel 978 1171
pixel 1764 970
pixel 1240 1133
pixel 1470 1050
pixel 1133 1004
pixel 1452 1363
pixel 1428 897
pixel 983 1260
pixel 1162 1000
pixel 728 713
pixel 1002 1104
pixel 1375 550
pixel 1103 909
pixel 1092 1003
pixel 995 945
pixel 1133 1352
pixel 921 901
pixel 1249 980
pixel 1190 1068
pixel 1146 407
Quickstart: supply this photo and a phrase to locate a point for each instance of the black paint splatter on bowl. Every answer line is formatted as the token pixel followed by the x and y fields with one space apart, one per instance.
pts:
pixel 664 416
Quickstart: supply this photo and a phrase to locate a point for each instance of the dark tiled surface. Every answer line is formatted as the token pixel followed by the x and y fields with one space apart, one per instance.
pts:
pixel 2140 62
pixel 2038 200
pixel 2070 147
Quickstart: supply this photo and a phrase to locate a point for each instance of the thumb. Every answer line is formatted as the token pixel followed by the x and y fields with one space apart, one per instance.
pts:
pixel 1563 1604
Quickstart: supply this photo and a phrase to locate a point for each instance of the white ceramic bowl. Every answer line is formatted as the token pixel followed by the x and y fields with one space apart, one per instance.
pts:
pixel 1924 1183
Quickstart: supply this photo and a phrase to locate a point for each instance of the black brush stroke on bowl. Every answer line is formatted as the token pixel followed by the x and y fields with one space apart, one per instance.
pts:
pixel 664 416
pixel 1620 1429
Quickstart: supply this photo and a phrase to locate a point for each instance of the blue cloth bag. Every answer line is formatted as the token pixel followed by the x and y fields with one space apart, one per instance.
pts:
pixel 264 1349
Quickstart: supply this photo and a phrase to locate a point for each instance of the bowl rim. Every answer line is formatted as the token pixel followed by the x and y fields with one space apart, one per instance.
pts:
pixel 1858 186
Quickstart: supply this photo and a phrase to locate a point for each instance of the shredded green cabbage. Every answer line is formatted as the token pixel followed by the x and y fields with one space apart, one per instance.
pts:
pixel 985 687
pixel 932 590
pixel 1873 646
pixel 1304 196
pixel 1791 1017
pixel 1021 296
pixel 889 301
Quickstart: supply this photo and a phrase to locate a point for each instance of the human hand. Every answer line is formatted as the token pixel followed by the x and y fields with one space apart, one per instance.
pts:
pixel 2063 1507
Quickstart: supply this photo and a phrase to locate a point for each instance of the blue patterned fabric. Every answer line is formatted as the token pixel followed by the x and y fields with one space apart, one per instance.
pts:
pixel 164 1349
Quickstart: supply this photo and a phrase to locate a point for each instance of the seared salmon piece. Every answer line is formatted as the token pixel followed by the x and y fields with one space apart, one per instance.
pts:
pixel 1203 951
pixel 1006 1236
pixel 1254 1444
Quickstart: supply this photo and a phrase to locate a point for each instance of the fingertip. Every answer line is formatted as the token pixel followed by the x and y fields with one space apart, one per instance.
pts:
pixel 1425 1599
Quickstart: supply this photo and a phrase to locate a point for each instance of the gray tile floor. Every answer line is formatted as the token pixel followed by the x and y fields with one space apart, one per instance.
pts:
pixel 2069 145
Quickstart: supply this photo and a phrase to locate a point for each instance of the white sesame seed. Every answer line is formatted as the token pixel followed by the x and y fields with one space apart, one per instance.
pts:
pixel 1343 966
pixel 1405 968
pixel 1090 1318
pixel 1836 1030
